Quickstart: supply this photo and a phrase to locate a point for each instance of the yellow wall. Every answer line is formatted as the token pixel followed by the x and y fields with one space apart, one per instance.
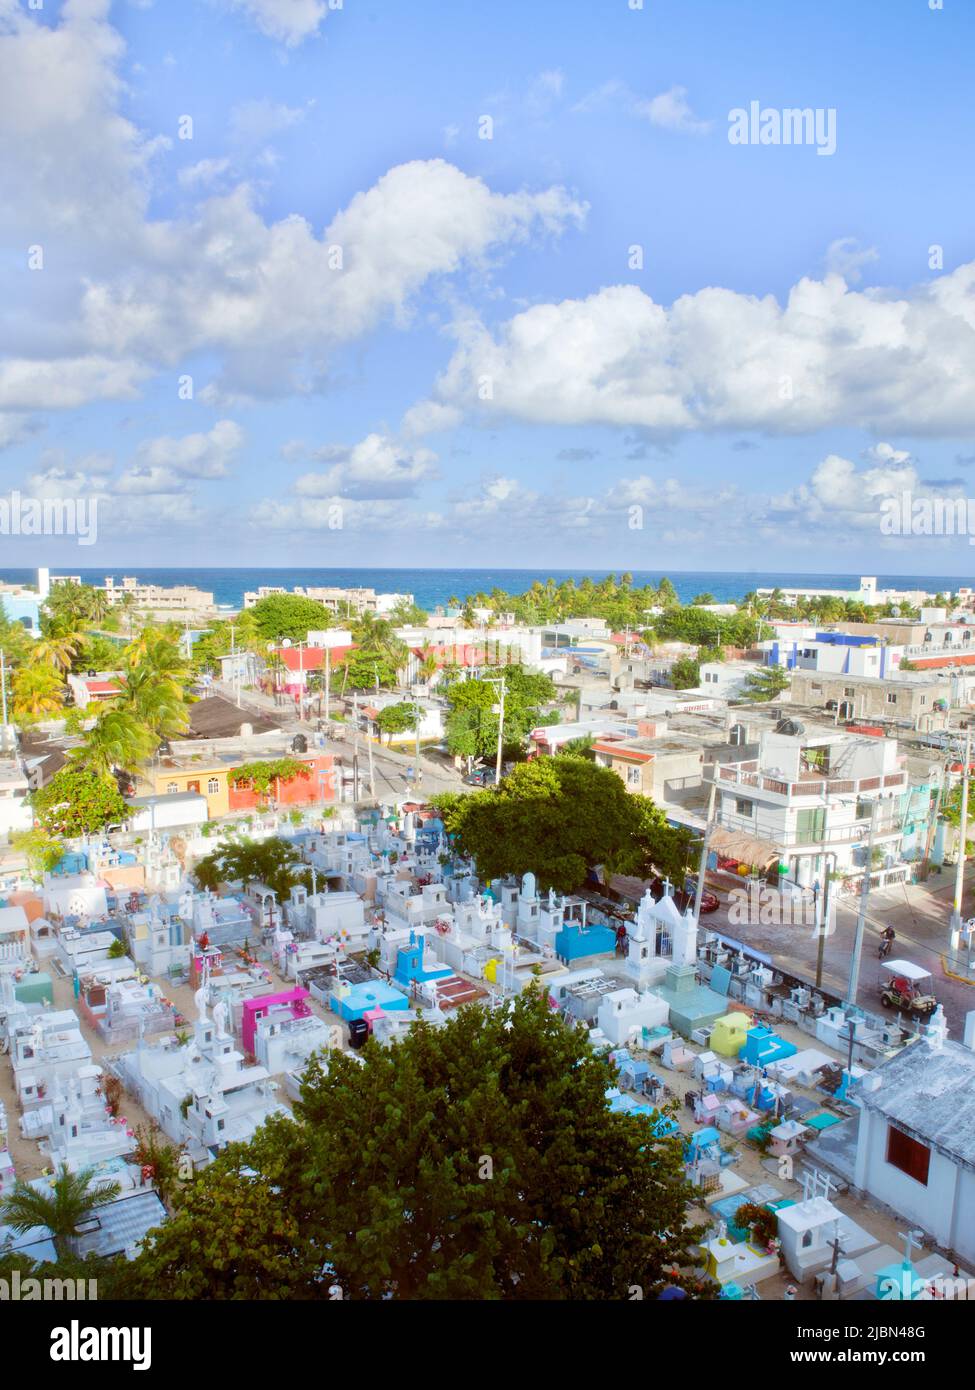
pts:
pixel 198 778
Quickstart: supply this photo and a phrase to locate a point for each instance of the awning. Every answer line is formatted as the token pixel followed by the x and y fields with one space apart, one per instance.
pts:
pixel 748 849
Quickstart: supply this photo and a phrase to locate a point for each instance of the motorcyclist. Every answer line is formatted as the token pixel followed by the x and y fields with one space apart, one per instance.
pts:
pixel 886 942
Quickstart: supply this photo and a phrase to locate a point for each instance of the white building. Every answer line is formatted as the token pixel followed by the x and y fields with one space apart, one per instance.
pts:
pixel 15 811
pixel 916 1140
pixel 807 793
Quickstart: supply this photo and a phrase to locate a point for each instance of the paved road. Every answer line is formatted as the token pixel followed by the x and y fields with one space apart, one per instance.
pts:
pixel 390 766
pixel 918 913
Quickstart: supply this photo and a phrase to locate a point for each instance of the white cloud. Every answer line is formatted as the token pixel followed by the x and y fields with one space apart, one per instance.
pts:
pixel 275 300
pixel 288 21
pixel 672 110
pixel 830 356
pixel 376 467
pixel 193 455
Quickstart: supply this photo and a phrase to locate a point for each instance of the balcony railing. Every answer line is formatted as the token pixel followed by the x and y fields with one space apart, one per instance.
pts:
pixel 818 786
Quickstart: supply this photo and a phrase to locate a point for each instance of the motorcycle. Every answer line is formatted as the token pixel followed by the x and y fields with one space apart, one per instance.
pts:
pixel 883 950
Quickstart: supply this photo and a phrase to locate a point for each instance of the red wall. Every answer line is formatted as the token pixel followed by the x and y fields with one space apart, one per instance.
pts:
pixel 302 791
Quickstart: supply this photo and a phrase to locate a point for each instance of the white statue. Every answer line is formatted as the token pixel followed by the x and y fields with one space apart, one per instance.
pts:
pixel 220 1018
pixel 202 998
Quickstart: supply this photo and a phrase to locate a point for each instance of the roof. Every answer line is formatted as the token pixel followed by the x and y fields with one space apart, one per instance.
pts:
pixel 216 717
pixel 929 1092
pixel 102 687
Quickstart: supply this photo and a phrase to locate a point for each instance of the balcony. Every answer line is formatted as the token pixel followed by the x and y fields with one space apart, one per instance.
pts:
pixel 810 786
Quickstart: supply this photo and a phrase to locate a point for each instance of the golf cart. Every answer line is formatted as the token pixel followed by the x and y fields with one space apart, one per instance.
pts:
pixel 907 987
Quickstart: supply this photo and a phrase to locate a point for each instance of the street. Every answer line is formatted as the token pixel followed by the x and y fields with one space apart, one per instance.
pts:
pixel 918 913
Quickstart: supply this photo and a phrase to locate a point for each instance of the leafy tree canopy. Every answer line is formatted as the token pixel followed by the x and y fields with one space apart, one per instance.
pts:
pixel 474 1161
pixel 78 801
pixel 685 674
pixel 559 817
pixel 397 719
pixel 275 862
pixel 290 615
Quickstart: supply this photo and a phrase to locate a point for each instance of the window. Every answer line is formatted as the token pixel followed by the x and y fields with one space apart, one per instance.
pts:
pixel 744 808
pixel 908 1155
pixel 891 698
pixel 815 685
pixel 924 699
pixel 633 776
pixel 213 785
pixel 848 690
pixel 172 788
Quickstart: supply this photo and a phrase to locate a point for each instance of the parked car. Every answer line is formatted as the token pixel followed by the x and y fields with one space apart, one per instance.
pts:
pixel 684 897
pixel 481 777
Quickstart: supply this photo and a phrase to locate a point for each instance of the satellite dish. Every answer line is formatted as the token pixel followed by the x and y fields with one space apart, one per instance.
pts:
pixel 286 642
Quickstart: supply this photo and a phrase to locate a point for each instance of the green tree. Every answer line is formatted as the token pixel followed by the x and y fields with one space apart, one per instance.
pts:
pixel 703 598
pixel 685 674
pixel 274 862
pixel 78 801
pixel 479 1160
pixel 117 739
pixel 767 683
pixel 559 817
pixel 38 693
pixel 72 1200
pixel 42 851
pixel 398 719
pixel 289 615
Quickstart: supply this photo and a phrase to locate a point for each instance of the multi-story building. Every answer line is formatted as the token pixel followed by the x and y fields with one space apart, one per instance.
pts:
pixel 181 598
pixel 338 600
pixel 806 794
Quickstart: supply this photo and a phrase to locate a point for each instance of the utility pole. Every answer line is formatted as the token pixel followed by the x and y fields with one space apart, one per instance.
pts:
pixel 822 923
pixel 854 982
pixel 328 677
pixel 497 769
pixel 702 867
pixel 3 682
pixel 962 842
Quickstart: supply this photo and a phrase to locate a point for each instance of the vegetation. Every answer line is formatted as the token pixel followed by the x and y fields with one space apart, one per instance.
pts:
pixel 262 776
pixel 41 850
pixel 398 719
pixel 767 683
pixel 71 1202
pixel 78 801
pixel 474 1161
pixel 285 615
pixel 559 817
pixel 685 674
pixel 274 862
pixel 472 724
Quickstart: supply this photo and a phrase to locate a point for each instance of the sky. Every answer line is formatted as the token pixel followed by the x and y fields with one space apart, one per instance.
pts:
pixel 437 282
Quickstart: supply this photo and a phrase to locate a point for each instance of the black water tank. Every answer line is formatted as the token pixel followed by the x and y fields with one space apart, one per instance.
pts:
pixel 358 1032
pixel 299 744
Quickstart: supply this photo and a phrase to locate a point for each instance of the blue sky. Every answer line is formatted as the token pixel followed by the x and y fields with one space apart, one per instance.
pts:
pixel 488 374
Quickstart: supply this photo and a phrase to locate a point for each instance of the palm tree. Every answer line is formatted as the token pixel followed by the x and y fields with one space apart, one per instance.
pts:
pixel 56 648
pixel 376 639
pixel 70 1202
pixel 118 739
pixel 156 702
pixel 38 693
